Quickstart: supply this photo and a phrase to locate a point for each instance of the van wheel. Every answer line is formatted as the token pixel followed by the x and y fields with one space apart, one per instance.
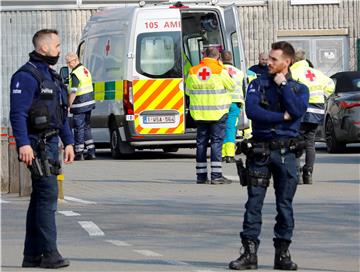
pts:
pixel 114 143
pixel 332 145
pixel 170 149
pixel 118 148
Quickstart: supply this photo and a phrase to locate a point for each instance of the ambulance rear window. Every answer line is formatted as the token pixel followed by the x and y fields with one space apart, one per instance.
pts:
pixel 158 55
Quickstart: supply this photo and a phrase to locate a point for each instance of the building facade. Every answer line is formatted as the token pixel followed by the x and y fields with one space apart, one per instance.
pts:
pixel 328 30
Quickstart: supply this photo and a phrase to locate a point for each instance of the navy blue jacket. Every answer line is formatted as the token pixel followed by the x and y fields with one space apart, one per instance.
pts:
pixel 268 120
pixel 259 70
pixel 23 87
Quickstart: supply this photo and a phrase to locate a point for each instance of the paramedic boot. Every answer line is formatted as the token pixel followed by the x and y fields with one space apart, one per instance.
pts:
pixel 307 175
pixel 282 255
pixel 230 159
pixel 248 259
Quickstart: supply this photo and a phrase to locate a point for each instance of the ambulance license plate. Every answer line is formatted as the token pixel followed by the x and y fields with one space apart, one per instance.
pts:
pixel 159 119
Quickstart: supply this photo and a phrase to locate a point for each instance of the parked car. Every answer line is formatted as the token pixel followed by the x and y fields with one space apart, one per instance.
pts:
pixel 342 113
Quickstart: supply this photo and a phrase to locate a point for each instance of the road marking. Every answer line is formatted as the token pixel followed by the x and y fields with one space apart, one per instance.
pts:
pixel 178 263
pixel 4 201
pixel 118 243
pixel 148 253
pixel 91 228
pixel 69 213
pixel 74 199
pixel 233 178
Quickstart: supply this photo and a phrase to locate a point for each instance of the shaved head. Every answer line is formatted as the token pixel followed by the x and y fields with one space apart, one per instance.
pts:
pixel 42 37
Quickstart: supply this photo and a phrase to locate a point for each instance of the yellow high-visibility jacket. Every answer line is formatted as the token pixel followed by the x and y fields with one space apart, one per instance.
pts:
pixel 208 86
pixel 238 76
pixel 84 100
pixel 320 86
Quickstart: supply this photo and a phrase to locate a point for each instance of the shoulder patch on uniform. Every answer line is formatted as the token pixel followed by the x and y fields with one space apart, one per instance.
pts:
pixel 16 90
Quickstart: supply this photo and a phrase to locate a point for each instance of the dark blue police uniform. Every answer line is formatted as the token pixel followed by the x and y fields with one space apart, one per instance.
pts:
pixel 260 70
pixel 265 106
pixel 40 222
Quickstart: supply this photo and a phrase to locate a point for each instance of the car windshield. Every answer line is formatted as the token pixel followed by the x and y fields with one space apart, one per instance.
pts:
pixel 347 82
pixel 356 83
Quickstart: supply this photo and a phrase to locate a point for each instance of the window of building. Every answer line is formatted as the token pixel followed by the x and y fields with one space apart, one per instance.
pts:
pixel 329 54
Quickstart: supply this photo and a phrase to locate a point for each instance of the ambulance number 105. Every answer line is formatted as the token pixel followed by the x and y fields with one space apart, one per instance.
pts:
pixel 151 25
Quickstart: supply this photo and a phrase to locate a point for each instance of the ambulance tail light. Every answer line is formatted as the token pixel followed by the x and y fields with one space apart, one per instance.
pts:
pixel 128 98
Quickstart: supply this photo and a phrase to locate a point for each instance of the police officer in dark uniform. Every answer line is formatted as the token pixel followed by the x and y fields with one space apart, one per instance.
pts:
pixel 275 103
pixel 38 111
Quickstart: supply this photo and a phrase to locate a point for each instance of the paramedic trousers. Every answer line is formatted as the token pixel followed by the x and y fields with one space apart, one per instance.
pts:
pixel 82 134
pixel 308 130
pixel 213 131
pixel 228 148
pixel 284 171
pixel 40 220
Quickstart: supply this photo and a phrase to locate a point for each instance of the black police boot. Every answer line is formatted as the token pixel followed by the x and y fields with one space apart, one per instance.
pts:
pixel 282 256
pixel 248 259
pixel 221 180
pixel 31 261
pixel 229 159
pixel 307 175
pixel 53 259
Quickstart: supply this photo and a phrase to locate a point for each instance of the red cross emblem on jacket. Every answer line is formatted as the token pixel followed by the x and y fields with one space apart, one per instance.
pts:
pixel 310 75
pixel 204 73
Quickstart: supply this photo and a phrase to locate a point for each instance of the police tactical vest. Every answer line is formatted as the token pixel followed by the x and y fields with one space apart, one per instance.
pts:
pixel 49 108
pixel 84 100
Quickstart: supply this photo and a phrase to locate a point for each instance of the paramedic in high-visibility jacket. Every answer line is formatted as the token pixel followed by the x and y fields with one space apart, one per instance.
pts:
pixel 81 103
pixel 237 102
pixel 320 87
pixel 208 87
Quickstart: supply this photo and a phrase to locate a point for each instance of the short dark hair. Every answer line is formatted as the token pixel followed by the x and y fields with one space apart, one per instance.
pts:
pixel 211 52
pixel 226 56
pixel 41 33
pixel 287 48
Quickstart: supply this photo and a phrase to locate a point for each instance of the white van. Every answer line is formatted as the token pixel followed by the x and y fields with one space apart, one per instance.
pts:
pixel 136 56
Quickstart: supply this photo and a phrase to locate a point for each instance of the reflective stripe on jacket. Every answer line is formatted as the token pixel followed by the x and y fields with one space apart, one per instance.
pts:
pixel 238 76
pixel 208 86
pixel 320 86
pixel 84 100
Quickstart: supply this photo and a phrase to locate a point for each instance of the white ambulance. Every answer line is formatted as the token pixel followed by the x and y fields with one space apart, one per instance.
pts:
pixel 138 57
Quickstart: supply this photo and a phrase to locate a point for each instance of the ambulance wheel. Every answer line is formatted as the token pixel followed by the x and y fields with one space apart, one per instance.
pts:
pixel 115 143
pixel 170 149
pixel 118 147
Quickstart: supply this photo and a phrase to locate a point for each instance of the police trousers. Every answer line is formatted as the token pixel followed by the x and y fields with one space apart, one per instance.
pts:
pixel 213 131
pixel 40 219
pixel 282 166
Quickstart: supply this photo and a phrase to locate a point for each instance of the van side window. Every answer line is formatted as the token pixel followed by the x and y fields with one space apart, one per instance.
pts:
pixel 106 57
pixel 81 51
pixel 158 55
pixel 235 49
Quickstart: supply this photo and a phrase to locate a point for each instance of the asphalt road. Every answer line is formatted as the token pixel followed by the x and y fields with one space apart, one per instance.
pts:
pixel 147 214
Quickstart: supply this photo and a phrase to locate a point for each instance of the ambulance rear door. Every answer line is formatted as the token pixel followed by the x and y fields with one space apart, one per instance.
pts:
pixel 234 37
pixel 235 44
pixel 158 94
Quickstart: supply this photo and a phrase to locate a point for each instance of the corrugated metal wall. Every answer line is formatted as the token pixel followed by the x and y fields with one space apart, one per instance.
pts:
pixel 260 25
pixel 18 27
